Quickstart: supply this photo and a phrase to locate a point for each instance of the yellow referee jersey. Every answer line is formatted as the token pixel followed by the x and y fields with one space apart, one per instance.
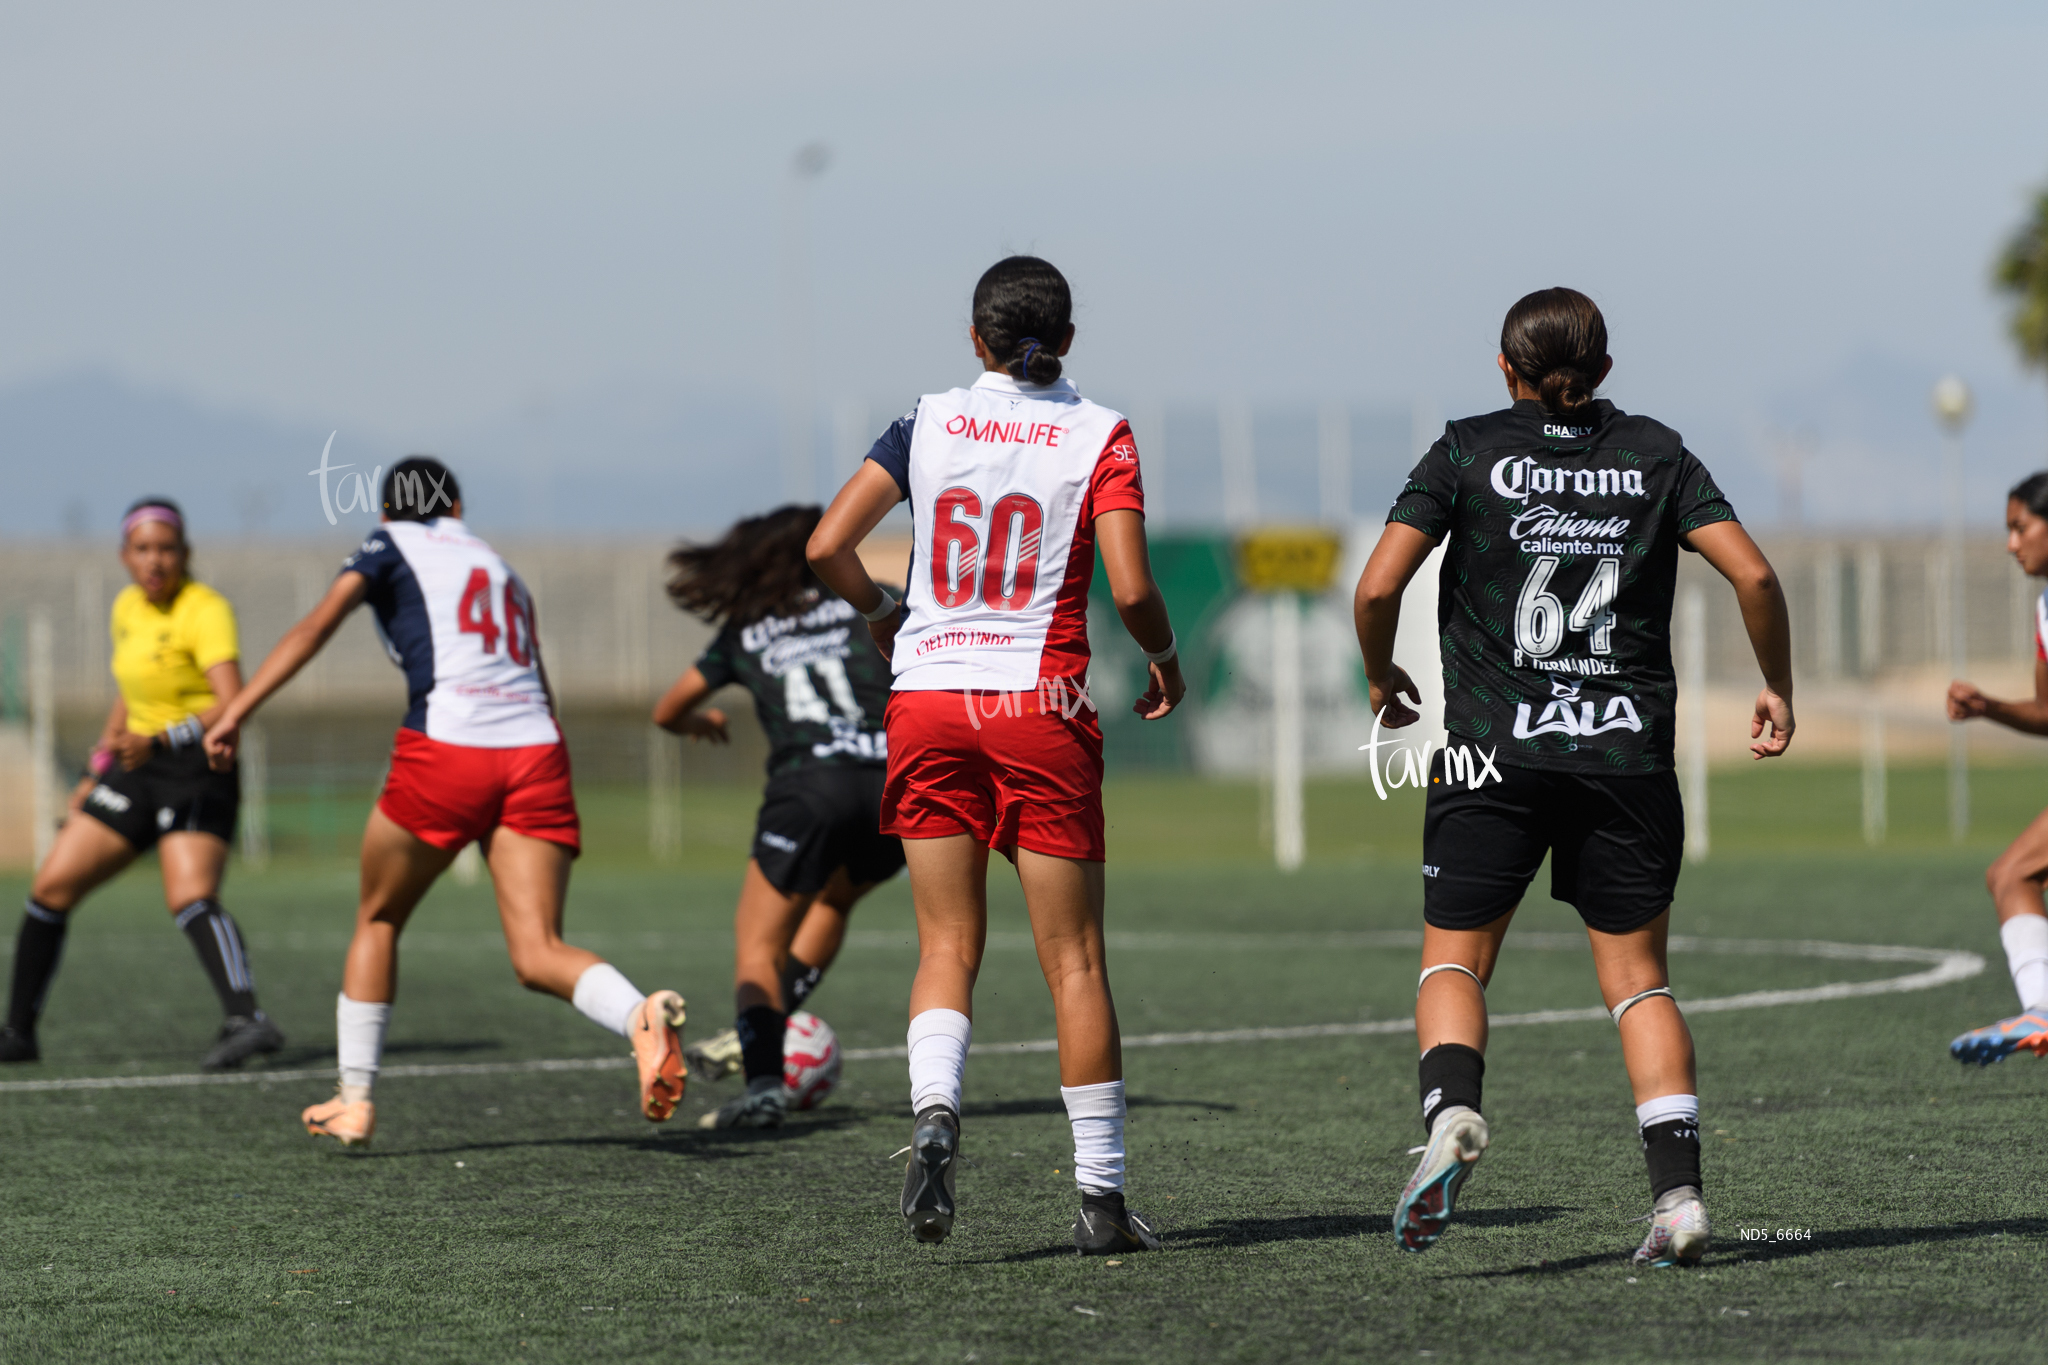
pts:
pixel 161 654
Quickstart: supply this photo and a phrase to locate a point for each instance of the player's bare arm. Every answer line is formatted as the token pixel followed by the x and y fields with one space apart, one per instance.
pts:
pixel 1121 537
pixel 834 548
pixel 677 711
pixel 1727 547
pixel 1376 611
pixel 285 659
pixel 1966 701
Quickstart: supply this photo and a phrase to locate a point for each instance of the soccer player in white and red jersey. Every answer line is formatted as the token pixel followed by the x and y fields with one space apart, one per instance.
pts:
pixel 479 758
pixel 2017 877
pixel 1014 484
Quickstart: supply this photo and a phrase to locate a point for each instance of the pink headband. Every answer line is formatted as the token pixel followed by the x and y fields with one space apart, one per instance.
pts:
pixel 152 512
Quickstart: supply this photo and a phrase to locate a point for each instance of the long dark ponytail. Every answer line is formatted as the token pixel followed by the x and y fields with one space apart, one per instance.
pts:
pixel 1556 341
pixel 756 569
pixel 1022 309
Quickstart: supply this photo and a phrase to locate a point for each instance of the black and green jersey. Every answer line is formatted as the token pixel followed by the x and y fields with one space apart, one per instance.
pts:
pixel 1554 609
pixel 818 682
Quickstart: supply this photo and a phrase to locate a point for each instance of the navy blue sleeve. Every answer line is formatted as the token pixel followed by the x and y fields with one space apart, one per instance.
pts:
pixel 376 559
pixel 892 450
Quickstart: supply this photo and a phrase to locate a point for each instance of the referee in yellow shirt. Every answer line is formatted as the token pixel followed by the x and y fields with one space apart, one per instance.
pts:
pixel 177 664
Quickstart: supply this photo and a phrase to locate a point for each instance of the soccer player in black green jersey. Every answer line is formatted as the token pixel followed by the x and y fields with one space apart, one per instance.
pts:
pixel 819 688
pixel 1562 518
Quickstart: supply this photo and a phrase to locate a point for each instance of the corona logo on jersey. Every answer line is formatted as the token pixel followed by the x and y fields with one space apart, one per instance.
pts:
pixel 1407 763
pixel 1518 476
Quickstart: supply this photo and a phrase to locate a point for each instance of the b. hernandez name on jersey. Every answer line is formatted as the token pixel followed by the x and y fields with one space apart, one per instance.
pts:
pixel 1561 561
pixel 460 625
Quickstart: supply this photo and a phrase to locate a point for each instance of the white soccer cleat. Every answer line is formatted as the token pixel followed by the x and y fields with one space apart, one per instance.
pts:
pixel 1679 1230
pixel 715 1058
pixel 1454 1147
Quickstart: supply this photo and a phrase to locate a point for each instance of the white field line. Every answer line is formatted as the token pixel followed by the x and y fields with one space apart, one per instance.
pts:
pixel 1946 965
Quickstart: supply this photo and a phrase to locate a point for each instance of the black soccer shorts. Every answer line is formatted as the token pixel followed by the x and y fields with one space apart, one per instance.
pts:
pixel 172 793
pixel 1615 844
pixel 817 819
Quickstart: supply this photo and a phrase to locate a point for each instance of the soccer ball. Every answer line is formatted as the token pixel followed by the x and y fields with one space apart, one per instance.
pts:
pixel 810 1060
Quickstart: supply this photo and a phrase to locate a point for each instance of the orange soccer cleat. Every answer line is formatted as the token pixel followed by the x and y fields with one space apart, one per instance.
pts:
pixel 352 1124
pixel 656 1028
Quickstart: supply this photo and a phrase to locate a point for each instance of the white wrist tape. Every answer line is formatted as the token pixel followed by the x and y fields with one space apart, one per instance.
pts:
pixel 885 609
pixel 1172 648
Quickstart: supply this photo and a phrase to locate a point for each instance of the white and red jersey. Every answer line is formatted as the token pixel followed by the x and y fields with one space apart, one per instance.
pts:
pixel 1005 481
pixel 2041 627
pixel 459 623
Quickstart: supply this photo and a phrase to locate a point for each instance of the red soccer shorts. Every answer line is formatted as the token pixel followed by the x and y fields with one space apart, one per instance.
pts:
pixel 993 765
pixel 449 794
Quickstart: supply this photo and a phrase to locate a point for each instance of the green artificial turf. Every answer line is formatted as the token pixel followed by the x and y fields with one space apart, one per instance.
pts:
pixel 537 1217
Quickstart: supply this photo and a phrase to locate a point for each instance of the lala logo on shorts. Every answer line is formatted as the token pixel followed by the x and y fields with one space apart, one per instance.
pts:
pixel 1467 763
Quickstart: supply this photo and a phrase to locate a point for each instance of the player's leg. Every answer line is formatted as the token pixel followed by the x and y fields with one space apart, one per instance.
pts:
pixel 193 864
pixel 1617 863
pixel 531 878
pixel 764 923
pixel 1657 1048
pixel 949 887
pixel 397 869
pixel 1451 1032
pixel 2015 881
pixel 795 837
pixel 862 858
pixel 1481 846
pixel 816 945
pixel 85 854
pixel 1065 899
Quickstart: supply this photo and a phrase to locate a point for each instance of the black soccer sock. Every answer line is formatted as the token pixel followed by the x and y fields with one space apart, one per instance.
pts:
pixel 760 1029
pixel 1451 1074
pixel 218 941
pixel 1672 1150
pixel 37 949
pixel 799 979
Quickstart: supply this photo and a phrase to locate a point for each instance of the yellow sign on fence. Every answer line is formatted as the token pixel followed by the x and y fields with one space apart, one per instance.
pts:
pixel 1289 559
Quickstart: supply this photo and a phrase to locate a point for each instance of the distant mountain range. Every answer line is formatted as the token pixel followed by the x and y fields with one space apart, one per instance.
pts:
pixel 77 448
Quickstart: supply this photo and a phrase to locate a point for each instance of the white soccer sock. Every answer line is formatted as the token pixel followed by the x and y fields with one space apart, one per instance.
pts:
pixel 359 1036
pixel 605 997
pixel 1097 1115
pixel 1665 1108
pixel 2026 953
pixel 938 1058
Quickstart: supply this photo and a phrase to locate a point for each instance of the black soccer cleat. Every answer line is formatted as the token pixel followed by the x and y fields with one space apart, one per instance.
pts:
pixel 1104 1227
pixel 240 1039
pixel 18 1045
pixel 928 1177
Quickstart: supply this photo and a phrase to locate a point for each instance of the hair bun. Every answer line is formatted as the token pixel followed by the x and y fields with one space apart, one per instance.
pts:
pixel 1556 341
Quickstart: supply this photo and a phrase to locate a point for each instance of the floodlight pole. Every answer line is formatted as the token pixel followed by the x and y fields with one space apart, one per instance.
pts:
pixel 799 399
pixel 1692 635
pixel 1952 406
pixel 1290 840
pixel 48 800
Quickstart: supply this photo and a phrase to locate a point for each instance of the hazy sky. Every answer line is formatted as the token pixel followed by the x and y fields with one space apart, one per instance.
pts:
pixel 434 222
